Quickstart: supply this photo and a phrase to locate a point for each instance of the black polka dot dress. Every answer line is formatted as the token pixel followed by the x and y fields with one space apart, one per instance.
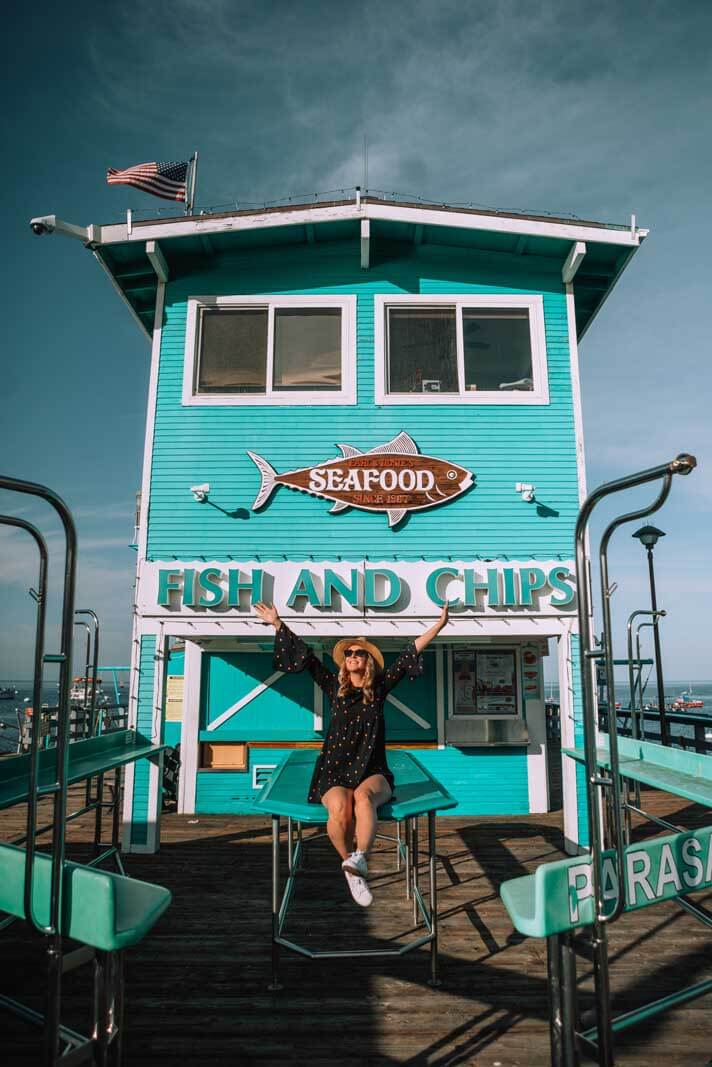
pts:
pixel 355 745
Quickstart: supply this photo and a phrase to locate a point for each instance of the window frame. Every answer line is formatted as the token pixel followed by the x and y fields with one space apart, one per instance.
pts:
pixel 271 397
pixel 484 649
pixel 533 303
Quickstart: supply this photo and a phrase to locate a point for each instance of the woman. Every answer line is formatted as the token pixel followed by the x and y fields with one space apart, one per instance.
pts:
pixel 351 777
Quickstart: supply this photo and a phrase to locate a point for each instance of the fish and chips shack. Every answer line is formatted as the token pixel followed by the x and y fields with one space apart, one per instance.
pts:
pixel 359 410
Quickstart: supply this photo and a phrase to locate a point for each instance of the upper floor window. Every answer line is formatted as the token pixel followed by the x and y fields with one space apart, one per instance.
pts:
pixel 272 349
pixel 460 349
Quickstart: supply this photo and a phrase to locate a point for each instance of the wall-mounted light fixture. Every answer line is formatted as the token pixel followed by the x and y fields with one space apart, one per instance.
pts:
pixel 200 492
pixel 527 491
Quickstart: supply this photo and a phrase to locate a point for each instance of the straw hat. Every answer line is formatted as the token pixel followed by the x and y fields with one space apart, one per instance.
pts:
pixel 356 642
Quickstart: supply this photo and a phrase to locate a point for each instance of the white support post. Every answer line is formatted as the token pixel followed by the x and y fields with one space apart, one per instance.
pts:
pixel 440 693
pixel 537 757
pixel 189 739
pixel 155 770
pixel 157 260
pixel 365 244
pixel 573 261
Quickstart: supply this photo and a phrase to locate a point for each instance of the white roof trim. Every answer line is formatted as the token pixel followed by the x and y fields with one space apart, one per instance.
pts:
pixel 418 216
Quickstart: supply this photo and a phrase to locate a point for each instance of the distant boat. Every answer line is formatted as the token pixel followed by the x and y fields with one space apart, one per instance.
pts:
pixel 686 701
pixel 8 692
pixel 80 686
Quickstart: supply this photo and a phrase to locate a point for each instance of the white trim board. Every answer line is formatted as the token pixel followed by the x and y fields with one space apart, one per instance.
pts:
pixel 418 719
pixel 289 398
pixel 576 391
pixel 150 425
pixel 244 701
pixel 305 215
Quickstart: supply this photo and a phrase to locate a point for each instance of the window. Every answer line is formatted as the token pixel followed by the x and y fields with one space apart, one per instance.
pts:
pixel 460 349
pixel 484 682
pixel 275 350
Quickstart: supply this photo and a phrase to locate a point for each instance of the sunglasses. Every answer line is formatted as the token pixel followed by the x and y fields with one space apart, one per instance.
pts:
pixel 355 652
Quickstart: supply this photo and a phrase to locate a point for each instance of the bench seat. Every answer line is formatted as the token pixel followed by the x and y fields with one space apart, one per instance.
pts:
pixel 104 910
pixel 87 758
pixel 685 774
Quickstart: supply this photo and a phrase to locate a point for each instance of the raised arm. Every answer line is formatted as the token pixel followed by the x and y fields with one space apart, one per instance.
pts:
pixel 424 640
pixel 292 655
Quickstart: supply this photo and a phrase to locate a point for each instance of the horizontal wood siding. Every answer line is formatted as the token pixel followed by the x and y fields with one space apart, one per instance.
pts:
pixel 144 725
pixel 485 781
pixel 501 444
pixel 231 792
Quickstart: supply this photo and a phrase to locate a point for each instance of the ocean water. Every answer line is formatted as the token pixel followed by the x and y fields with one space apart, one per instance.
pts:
pixel 701 690
pixel 9 708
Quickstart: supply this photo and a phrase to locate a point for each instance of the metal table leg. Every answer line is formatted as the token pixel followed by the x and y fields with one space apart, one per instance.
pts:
pixel 275 984
pixel 414 869
pixel 408 839
pixel 556 1035
pixel 290 846
pixel 568 1000
pixel 434 980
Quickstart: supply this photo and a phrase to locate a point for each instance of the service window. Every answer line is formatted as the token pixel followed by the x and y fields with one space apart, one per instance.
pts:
pixel 475 349
pixel 276 350
pixel 485 682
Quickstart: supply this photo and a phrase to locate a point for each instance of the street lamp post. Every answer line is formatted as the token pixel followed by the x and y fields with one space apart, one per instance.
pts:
pixel 648 536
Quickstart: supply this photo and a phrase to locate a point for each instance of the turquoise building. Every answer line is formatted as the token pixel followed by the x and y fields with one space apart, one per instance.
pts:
pixel 357 409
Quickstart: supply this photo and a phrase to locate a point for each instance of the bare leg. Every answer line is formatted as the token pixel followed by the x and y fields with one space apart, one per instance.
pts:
pixel 368 797
pixel 339 802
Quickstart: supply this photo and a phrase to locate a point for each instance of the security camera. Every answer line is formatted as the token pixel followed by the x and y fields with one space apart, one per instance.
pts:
pixel 51 224
pixel 42 225
pixel 200 492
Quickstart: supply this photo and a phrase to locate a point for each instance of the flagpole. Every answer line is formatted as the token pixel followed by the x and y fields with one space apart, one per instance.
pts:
pixel 190 199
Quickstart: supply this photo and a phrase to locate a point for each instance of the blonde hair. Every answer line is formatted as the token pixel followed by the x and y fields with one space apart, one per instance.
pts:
pixel 369 676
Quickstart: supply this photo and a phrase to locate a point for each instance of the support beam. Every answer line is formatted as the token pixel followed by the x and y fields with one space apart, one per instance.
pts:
pixel 573 262
pixel 310 233
pixel 207 245
pixel 365 243
pixel 418 235
pixel 521 245
pixel 157 260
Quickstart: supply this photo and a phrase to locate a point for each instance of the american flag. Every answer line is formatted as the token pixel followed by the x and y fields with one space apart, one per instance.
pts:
pixel 167 180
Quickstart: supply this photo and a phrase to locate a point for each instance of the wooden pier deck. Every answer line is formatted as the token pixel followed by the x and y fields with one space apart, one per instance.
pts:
pixel 197 987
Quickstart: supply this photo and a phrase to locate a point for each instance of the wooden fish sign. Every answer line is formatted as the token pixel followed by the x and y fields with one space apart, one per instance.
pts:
pixel 393 477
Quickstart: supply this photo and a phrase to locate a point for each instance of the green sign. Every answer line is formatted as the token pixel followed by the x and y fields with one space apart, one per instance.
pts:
pixel 655 870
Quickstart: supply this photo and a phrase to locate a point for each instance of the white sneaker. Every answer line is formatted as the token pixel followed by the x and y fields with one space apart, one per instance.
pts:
pixel 356 863
pixel 359 888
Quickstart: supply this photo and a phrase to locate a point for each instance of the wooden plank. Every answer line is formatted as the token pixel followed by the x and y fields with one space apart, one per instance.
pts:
pixel 197 987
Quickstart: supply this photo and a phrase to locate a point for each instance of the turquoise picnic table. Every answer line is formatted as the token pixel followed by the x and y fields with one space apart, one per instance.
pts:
pixel 416 793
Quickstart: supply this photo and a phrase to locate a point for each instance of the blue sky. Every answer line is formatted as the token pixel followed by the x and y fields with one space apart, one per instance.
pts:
pixel 558 106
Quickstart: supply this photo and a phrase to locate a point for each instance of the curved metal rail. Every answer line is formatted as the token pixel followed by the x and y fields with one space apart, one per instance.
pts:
pixel 59 789
pixel 40 597
pixel 682 464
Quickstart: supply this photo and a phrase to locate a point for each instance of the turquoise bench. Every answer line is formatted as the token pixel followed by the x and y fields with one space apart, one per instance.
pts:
pixel 686 774
pixel 87 759
pixel 107 911
pixel 559 896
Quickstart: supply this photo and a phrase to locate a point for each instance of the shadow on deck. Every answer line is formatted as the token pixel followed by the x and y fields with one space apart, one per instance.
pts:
pixel 197 988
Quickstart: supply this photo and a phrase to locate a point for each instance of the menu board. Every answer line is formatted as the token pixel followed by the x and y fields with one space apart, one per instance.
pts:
pixel 174 697
pixel 485 683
